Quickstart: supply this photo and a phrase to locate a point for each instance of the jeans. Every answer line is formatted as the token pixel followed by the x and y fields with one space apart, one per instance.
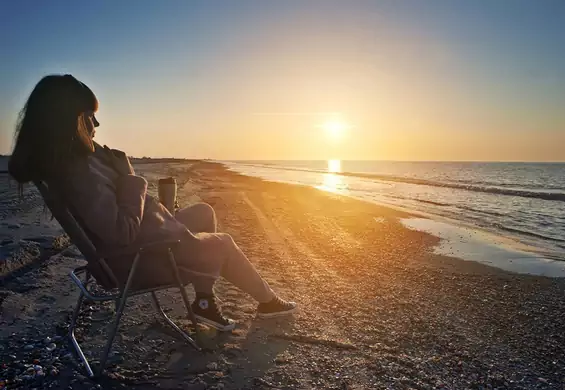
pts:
pixel 208 245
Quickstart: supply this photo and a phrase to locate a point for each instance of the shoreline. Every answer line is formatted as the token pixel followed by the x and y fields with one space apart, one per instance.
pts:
pixel 483 247
pixel 532 222
pixel 509 253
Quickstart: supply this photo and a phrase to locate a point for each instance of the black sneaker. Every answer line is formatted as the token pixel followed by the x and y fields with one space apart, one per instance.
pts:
pixel 206 311
pixel 275 308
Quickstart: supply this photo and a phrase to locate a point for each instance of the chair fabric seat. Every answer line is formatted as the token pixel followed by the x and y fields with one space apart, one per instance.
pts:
pixel 148 274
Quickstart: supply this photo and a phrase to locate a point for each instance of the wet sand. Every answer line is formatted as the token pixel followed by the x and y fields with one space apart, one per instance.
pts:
pixel 472 244
pixel 379 307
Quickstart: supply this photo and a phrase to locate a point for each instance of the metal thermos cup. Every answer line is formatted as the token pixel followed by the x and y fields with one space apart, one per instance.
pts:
pixel 168 193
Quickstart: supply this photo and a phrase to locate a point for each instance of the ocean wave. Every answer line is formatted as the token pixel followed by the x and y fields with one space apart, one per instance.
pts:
pixel 432 202
pixel 520 185
pixel 486 212
pixel 545 195
pixel 528 233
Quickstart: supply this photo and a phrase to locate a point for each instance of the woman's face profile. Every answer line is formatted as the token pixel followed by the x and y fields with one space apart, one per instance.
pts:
pixel 90 122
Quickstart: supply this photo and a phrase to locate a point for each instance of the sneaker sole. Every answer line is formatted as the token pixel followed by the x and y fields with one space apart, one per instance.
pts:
pixel 215 325
pixel 277 314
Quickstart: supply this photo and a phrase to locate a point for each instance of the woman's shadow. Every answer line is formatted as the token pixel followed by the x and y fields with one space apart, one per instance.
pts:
pixel 236 357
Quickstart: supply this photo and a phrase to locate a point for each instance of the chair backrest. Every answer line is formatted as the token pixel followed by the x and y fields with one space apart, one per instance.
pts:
pixel 76 233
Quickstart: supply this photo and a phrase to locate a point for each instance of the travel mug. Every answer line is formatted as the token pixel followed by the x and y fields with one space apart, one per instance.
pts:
pixel 168 193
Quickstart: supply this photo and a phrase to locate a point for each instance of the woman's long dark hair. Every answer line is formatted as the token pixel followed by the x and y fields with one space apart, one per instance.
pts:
pixel 50 133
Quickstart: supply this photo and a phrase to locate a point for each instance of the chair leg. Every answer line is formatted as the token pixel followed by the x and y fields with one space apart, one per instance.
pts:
pixel 184 295
pixel 119 313
pixel 74 341
pixel 184 335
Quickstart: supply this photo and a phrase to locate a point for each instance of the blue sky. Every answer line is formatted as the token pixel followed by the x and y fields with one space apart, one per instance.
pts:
pixel 253 79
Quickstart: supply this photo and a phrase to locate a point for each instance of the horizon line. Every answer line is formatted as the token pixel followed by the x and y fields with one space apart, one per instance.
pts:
pixel 328 159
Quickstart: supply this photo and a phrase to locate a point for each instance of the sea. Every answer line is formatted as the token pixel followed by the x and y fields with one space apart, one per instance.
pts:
pixel 523 201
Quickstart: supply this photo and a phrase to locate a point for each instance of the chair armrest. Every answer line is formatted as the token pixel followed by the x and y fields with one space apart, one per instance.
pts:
pixel 152 246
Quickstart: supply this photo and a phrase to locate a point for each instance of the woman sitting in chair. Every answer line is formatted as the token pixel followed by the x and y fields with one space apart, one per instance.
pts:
pixel 55 144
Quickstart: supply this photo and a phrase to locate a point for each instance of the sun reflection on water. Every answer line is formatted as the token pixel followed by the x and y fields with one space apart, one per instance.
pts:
pixel 334 165
pixel 330 181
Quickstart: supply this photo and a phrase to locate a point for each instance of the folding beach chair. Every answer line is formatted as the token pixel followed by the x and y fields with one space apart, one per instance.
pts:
pixel 97 270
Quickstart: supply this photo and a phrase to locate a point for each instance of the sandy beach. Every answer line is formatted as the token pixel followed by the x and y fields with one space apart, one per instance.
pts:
pixel 379 307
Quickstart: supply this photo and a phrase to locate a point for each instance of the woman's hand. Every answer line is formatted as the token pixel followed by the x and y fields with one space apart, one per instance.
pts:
pixel 119 161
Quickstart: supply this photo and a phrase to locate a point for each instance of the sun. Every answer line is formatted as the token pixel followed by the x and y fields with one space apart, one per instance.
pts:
pixel 335 129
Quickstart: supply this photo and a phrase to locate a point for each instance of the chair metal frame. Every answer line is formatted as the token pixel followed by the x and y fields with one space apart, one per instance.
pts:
pixel 97 262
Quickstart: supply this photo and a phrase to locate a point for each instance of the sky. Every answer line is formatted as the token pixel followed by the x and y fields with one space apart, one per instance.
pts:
pixel 385 80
